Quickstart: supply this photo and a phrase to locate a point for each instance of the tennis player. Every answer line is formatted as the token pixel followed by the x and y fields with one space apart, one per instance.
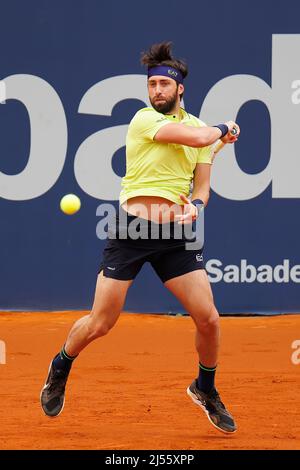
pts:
pixel 168 153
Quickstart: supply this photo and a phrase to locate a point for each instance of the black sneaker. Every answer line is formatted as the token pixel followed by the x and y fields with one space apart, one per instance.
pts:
pixel 213 407
pixel 53 393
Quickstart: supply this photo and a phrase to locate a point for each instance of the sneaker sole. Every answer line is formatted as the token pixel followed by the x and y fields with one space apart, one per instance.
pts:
pixel 197 402
pixel 50 416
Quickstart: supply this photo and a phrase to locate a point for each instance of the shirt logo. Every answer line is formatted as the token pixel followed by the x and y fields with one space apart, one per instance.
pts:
pixel 199 257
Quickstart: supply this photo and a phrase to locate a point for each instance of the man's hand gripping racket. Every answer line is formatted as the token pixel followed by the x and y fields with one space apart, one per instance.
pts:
pixel 230 138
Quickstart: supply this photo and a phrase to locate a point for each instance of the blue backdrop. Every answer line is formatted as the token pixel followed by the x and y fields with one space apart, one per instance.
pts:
pixel 71 81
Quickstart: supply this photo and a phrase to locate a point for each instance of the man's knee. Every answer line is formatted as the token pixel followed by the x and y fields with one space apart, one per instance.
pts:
pixel 209 320
pixel 98 328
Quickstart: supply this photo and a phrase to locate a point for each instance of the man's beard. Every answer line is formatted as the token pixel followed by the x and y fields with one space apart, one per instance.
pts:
pixel 167 106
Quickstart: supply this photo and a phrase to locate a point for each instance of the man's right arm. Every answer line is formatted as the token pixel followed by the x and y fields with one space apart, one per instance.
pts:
pixel 174 133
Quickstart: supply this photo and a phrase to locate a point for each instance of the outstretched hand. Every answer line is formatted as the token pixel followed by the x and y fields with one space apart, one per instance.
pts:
pixel 190 212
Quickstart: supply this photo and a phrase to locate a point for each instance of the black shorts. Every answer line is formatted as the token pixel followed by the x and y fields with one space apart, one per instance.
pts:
pixel 170 253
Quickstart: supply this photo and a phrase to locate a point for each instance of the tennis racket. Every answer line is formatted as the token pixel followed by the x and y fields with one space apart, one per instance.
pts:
pixel 221 144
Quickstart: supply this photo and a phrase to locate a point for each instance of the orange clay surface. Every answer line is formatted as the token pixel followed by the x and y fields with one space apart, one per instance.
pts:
pixel 128 389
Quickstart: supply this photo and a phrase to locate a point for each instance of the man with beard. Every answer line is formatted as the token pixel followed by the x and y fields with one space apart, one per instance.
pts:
pixel 167 151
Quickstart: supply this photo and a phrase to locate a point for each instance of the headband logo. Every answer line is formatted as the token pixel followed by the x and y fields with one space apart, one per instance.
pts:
pixel 172 72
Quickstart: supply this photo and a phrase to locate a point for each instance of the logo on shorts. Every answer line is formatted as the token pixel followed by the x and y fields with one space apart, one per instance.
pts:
pixel 112 269
pixel 199 257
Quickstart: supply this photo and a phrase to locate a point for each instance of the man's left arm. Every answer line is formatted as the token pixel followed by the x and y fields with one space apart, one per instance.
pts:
pixel 201 182
pixel 201 190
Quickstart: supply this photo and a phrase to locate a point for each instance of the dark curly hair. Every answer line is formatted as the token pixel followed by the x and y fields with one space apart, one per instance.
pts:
pixel 161 54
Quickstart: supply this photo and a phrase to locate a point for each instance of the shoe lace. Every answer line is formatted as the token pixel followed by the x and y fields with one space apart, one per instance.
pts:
pixel 58 381
pixel 216 397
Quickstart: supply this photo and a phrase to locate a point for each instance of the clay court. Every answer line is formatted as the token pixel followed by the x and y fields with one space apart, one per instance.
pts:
pixel 128 389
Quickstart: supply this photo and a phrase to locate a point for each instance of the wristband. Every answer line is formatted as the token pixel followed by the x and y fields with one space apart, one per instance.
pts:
pixel 223 128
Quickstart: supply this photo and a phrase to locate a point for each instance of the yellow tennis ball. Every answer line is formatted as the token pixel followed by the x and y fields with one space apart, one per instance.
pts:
pixel 70 204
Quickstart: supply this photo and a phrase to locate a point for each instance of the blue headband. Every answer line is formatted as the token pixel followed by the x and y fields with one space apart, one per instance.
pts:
pixel 166 71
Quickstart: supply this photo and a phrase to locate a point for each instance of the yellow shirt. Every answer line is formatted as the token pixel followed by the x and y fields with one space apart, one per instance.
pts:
pixel 156 168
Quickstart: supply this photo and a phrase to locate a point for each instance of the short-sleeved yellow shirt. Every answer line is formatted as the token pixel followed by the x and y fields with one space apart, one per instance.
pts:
pixel 155 168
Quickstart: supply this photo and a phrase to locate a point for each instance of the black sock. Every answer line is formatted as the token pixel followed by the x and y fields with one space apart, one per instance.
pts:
pixel 206 378
pixel 63 361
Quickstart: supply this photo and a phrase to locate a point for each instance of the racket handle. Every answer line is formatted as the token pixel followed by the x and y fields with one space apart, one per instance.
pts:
pixel 221 144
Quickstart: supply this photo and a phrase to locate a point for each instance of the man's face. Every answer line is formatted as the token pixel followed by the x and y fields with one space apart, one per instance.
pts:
pixel 163 93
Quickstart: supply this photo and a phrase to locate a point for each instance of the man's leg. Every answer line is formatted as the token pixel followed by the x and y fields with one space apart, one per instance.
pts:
pixel 194 293
pixel 109 300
